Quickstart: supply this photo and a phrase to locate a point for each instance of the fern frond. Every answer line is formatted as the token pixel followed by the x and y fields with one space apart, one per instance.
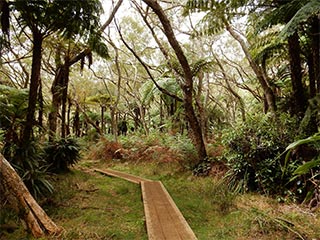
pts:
pixel 98 46
pixel 310 9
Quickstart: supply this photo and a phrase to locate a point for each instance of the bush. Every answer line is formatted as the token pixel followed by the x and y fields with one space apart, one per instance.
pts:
pixel 253 150
pixel 61 154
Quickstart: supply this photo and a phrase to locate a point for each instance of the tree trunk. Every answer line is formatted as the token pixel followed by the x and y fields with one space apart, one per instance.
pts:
pixel 315 48
pixel 34 85
pixel 88 119
pixel 103 124
pixel 69 101
pixel 41 108
pixel 76 123
pixel 299 99
pixel 187 85
pixel 65 84
pixel 262 78
pixel 230 89
pixel 56 102
pixel 35 218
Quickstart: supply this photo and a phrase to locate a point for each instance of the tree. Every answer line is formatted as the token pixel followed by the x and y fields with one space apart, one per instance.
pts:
pixel 44 18
pixel 187 83
pixel 59 87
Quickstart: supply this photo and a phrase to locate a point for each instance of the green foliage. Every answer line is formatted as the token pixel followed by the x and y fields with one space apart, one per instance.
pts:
pixel 308 171
pixel 253 150
pixel 313 139
pixel 310 9
pixel 188 152
pixel 70 18
pixel 98 46
pixel 13 107
pixel 29 164
pixel 26 158
pixel 61 154
pixel 202 169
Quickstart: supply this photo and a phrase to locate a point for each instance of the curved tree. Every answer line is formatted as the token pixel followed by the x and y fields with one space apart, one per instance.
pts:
pixel 187 83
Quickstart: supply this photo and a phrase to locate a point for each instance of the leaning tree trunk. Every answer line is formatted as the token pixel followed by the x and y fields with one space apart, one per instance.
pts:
pixel 34 216
pixel 262 78
pixel 187 85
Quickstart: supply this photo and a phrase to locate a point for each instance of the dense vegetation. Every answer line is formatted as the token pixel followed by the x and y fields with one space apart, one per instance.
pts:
pixel 228 89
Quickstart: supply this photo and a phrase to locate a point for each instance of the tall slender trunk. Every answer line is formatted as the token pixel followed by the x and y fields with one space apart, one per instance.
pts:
pixel 65 84
pixel 34 85
pixel 69 101
pixel 315 49
pixel 41 108
pixel 103 124
pixel 76 123
pixel 56 102
pixel 299 99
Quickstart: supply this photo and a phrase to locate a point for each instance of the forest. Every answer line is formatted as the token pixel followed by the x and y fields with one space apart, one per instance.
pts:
pixel 219 99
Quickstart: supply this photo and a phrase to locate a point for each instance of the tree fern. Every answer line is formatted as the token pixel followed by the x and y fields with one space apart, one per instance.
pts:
pixel 278 13
pixel 217 14
pixel 98 46
pixel 267 47
pixel 302 15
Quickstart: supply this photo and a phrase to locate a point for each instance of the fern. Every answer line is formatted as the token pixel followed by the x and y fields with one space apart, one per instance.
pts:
pixel 217 14
pixel 310 9
pixel 277 14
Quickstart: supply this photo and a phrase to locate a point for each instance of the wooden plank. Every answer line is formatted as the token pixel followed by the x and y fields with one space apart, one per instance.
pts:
pixel 126 176
pixel 163 218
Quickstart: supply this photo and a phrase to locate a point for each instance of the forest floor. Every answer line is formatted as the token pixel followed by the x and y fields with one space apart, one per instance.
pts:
pixel 89 205
pixel 92 206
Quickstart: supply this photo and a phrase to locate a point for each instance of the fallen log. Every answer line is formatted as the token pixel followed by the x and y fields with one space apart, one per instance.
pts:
pixel 35 218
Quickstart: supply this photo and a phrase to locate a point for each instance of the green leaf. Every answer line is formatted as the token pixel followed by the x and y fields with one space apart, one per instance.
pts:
pixel 295 144
pixel 311 139
pixel 305 168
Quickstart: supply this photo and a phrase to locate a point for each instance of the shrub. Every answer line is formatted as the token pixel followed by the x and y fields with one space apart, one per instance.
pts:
pixel 61 154
pixel 28 161
pixel 253 150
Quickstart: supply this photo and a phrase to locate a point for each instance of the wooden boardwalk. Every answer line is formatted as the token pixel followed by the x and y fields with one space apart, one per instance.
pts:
pixel 163 218
pixel 126 176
